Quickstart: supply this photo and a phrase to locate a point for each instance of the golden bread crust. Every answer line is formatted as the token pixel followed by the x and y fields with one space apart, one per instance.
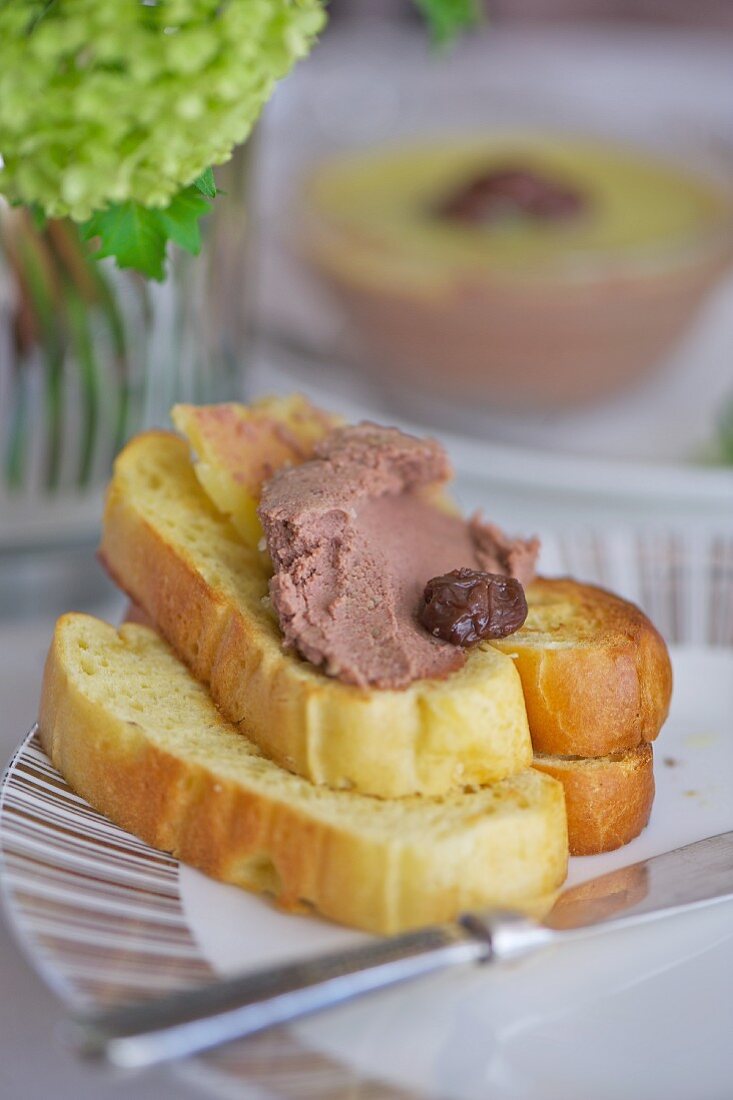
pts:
pixel 596 674
pixel 137 736
pixel 166 546
pixel 608 799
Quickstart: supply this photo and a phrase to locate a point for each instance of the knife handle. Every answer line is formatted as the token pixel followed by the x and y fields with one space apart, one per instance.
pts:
pixel 186 1023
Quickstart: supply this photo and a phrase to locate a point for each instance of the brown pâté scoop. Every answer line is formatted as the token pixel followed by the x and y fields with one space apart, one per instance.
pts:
pixel 354 534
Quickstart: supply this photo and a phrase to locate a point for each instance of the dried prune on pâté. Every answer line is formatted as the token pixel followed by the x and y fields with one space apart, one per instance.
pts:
pixel 466 606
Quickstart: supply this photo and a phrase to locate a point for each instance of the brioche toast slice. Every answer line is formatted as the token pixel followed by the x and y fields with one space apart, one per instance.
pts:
pixel 596 674
pixel 137 736
pixel 608 798
pixel 176 556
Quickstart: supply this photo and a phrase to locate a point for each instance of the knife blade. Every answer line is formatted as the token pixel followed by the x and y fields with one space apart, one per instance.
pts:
pixel 140 1035
pixel 698 874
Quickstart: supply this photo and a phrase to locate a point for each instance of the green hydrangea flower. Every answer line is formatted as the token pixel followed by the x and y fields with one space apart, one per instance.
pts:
pixel 104 102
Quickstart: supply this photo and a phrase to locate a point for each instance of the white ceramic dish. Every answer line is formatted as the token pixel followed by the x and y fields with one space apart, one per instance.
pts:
pixel 661 87
pixel 644 1013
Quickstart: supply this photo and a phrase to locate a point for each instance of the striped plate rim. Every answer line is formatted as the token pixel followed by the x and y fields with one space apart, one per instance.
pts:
pixel 98 914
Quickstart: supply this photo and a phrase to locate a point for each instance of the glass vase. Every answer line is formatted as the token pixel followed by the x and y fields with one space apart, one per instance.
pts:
pixel 91 354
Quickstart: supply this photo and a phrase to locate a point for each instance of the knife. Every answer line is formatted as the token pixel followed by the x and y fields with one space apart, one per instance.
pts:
pixel 140 1035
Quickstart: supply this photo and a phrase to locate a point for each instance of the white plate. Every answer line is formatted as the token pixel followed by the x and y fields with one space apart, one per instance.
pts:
pixel 645 1013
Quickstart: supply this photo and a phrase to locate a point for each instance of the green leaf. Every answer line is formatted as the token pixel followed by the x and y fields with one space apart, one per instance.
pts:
pixel 137 236
pixel 447 17
pixel 205 184
pixel 132 234
pixel 180 219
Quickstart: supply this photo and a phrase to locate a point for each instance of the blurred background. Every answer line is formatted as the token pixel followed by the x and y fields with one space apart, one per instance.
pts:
pixel 601 333
pixel 522 243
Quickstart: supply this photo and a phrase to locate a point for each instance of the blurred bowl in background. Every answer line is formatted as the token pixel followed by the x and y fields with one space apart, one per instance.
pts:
pixel 503 306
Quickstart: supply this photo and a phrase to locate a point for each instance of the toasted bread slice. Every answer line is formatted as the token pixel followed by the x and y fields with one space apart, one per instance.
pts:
pixel 184 564
pixel 596 674
pixel 574 632
pixel 608 798
pixel 137 736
